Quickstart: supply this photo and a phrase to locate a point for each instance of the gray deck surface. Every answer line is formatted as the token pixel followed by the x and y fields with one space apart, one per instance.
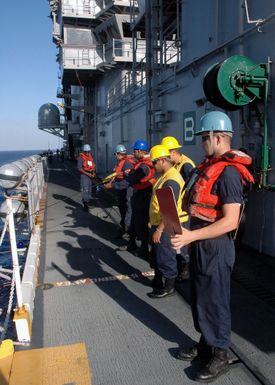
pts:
pixel 130 338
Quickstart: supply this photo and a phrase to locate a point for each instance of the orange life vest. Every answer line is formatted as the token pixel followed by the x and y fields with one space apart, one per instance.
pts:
pixel 118 169
pixel 204 204
pixel 149 179
pixel 88 162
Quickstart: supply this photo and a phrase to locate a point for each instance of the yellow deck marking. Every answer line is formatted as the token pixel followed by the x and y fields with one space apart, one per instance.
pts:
pixel 6 357
pixel 89 281
pixel 5 369
pixel 59 365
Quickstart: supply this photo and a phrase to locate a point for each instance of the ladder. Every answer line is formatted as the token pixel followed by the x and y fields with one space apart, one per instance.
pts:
pixel 87 6
pixel 85 57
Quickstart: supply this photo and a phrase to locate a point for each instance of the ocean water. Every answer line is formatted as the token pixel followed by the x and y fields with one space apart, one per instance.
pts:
pixel 5 255
pixel 12 156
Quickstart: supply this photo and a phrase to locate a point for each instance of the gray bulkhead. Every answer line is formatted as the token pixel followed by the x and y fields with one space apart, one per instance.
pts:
pixel 123 122
pixel 211 31
pixel 127 105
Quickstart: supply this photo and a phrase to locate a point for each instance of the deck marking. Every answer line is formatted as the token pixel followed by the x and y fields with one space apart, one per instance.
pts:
pixel 89 281
pixel 67 364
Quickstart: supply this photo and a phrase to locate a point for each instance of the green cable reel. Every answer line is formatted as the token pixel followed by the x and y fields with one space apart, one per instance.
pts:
pixel 235 82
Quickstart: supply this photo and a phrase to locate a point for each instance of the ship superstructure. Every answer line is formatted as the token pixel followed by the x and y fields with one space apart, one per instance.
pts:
pixel 135 69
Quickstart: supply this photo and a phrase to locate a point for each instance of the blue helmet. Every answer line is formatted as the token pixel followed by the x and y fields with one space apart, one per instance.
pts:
pixel 86 148
pixel 141 145
pixel 120 149
pixel 214 121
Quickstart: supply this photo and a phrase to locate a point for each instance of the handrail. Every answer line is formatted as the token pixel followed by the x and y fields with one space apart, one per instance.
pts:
pixel 32 184
pixel 77 8
pixel 75 57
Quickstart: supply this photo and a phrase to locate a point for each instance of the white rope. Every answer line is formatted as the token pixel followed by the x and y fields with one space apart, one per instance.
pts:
pixel 4 229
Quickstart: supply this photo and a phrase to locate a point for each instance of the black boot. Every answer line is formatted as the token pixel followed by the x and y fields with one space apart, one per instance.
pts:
pixel 120 233
pixel 183 269
pixel 199 350
pixel 215 367
pixel 157 282
pixel 131 245
pixel 183 274
pixel 85 206
pixel 144 250
pixel 169 289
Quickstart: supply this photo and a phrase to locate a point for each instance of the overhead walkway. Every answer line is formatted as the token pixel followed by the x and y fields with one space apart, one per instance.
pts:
pixel 89 292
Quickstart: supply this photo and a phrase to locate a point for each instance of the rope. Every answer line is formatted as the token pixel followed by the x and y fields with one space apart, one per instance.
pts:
pixel 101 183
pixel 4 229
pixel 36 213
pixel 77 76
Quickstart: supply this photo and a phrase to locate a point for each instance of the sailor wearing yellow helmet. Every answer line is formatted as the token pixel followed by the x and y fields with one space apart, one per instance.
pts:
pixel 184 165
pixel 163 256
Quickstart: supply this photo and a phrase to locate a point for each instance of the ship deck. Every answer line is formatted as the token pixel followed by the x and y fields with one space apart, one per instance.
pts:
pixel 91 292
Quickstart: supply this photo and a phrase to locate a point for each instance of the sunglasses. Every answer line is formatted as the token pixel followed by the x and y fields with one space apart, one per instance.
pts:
pixel 205 138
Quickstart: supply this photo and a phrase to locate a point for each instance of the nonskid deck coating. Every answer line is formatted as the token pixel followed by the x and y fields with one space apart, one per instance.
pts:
pixel 130 338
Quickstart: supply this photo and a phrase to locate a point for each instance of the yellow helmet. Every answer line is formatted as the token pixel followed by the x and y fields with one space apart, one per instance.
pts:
pixel 170 142
pixel 159 151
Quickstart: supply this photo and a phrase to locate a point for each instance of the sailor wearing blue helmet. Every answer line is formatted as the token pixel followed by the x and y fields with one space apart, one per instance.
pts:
pixel 142 180
pixel 213 199
pixel 86 167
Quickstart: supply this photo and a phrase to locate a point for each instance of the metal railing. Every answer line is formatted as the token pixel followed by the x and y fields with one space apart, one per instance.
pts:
pixel 27 191
pixel 122 50
pixel 79 8
pixel 129 83
pixel 137 79
pixel 171 52
pixel 104 4
pixel 79 58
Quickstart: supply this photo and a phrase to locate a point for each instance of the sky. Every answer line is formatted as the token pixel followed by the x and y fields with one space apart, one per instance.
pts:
pixel 29 74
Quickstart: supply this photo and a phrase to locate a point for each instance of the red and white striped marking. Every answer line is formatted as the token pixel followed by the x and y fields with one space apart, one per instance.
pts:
pixel 89 281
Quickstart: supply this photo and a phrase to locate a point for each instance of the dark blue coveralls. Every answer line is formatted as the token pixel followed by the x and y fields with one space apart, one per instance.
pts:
pixel 211 265
pixel 185 171
pixel 124 194
pixel 163 255
pixel 140 204
pixel 85 183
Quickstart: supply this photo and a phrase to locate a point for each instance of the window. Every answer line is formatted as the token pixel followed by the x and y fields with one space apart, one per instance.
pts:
pixel 77 36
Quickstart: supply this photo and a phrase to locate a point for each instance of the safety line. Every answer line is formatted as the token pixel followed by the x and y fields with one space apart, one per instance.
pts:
pixel 89 281
pixel 73 195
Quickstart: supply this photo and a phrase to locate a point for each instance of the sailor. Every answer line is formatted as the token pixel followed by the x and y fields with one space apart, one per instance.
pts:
pixel 121 186
pixel 86 167
pixel 185 166
pixel 163 255
pixel 214 196
pixel 62 154
pixel 141 178
pixel 50 156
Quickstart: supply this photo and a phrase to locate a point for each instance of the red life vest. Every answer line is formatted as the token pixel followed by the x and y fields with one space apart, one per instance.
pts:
pixel 204 204
pixel 149 179
pixel 118 169
pixel 88 164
